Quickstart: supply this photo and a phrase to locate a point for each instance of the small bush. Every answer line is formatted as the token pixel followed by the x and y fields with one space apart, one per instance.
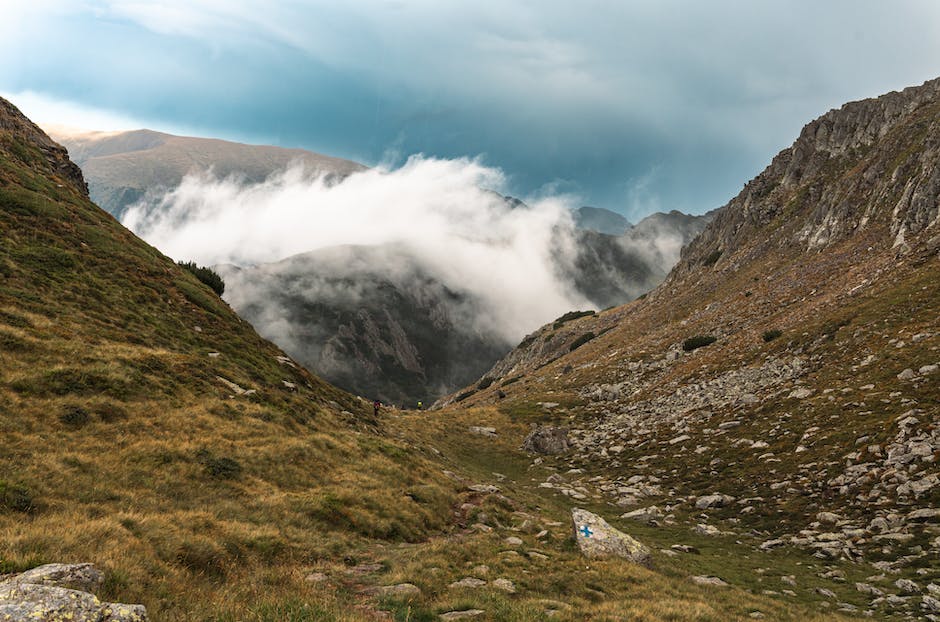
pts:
pixel 464 395
pixel 484 383
pixel 770 335
pixel 698 341
pixel 74 416
pixel 571 315
pixel 713 257
pixel 15 498
pixel 219 468
pixel 580 341
pixel 207 275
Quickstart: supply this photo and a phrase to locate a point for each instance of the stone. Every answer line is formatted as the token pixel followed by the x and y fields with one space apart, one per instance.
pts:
pixel 907 586
pixel 504 584
pixel 645 515
pixel 513 541
pixel 598 540
pixel 400 590
pixel 828 517
pixel 316 577
pixel 482 430
pixel 930 603
pixel 546 440
pixel 80 577
pixel 801 394
pixel 713 501
pixel 708 581
pixel 471 582
pixel 907 374
pixel 925 515
pixel 926 370
pixel 38 594
pixel 460 615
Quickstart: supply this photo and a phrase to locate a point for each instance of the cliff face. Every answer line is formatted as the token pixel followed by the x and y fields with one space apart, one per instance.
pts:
pixel 869 167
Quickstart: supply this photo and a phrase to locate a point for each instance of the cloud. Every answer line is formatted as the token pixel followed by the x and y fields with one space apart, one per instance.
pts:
pixel 466 236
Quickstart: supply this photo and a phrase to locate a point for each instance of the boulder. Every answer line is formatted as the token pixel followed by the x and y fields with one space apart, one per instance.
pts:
pixel 546 440
pixel 713 501
pixel 598 540
pixel 41 594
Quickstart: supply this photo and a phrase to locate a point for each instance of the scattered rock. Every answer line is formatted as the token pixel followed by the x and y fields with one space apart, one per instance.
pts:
pixel 907 374
pixel 713 501
pixel 401 590
pixel 546 440
pixel 460 615
pixel 513 541
pixel 504 584
pixel 708 581
pixel 598 540
pixel 482 430
pixel 43 594
pixel 468 582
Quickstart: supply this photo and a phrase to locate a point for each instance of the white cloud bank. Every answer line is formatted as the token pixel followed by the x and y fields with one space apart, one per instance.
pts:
pixel 468 237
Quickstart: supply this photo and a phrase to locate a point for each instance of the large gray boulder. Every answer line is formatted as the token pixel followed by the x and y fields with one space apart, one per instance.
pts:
pixel 45 593
pixel 546 440
pixel 598 540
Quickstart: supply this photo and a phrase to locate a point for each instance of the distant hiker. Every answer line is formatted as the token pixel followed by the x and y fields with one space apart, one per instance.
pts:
pixel 420 406
pixel 375 408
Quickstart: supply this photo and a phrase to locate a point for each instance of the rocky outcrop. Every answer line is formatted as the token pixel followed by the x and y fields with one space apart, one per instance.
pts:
pixel 51 156
pixel 546 440
pixel 598 540
pixel 60 593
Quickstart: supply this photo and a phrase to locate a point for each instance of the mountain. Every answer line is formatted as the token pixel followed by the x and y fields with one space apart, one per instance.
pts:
pixel 149 431
pixel 781 385
pixel 122 167
pixel 600 220
pixel 372 319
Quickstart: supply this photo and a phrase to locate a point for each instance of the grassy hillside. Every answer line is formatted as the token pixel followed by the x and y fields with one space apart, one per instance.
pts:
pixel 149 430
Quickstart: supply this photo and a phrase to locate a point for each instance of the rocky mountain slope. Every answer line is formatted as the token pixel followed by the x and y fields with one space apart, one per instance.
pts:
pixel 121 167
pixel 782 384
pixel 167 456
pixel 600 220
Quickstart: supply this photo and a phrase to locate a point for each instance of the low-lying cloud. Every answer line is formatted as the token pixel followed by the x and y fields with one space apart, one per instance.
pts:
pixel 466 235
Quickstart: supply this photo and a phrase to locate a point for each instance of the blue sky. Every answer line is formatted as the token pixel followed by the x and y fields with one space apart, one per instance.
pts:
pixel 634 106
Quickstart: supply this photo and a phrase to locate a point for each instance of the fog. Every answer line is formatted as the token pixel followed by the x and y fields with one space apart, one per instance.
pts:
pixel 448 213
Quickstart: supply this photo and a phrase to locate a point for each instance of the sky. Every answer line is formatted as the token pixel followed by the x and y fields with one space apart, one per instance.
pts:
pixel 635 106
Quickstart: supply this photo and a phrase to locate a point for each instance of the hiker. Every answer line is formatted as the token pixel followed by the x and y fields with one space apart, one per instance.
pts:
pixel 420 406
pixel 375 407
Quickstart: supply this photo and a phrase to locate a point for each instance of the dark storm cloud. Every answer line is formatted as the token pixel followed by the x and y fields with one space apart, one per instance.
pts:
pixel 635 106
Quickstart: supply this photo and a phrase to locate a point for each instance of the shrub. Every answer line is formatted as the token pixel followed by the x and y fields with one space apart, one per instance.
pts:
pixel 698 341
pixel 220 468
pixel 484 383
pixel 15 498
pixel 770 335
pixel 571 315
pixel 580 341
pixel 713 257
pixel 207 275
pixel 74 416
pixel 464 395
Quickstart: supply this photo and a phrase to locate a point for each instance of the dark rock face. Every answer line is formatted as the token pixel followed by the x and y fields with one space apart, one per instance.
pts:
pixel 54 157
pixel 869 164
pixel 546 440
pixel 369 319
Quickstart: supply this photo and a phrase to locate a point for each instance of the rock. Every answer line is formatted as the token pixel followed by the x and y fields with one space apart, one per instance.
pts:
pixel 924 515
pixel 907 586
pixel 679 439
pixel 504 584
pixel 713 501
pixel 828 517
pixel 801 394
pixel 401 590
pixel 645 515
pixel 771 544
pixel 513 541
pixel 38 594
pixel 684 548
pixel 485 488
pixel 460 615
pixel 598 540
pixel 316 577
pixel 907 374
pixel 546 440
pixel 926 370
pixel 80 577
pixel 471 582
pixel 482 430
pixel 708 581
pixel 930 603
